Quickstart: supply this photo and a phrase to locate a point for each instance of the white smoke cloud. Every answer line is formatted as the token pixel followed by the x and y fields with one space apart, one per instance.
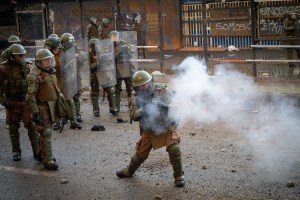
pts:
pixel 231 97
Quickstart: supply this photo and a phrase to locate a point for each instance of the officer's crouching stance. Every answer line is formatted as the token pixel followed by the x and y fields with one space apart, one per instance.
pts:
pixel 149 106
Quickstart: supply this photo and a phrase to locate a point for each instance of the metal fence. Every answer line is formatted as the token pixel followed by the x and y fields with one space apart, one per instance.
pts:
pixel 228 23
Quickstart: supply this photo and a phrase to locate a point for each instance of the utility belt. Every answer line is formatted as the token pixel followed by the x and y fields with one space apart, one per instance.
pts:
pixel 14 87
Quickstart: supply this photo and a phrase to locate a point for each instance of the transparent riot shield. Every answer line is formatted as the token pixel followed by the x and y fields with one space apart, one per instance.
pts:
pixel 68 73
pixel 127 54
pixel 83 70
pixel 106 71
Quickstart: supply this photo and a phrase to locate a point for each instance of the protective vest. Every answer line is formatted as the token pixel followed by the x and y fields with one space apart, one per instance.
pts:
pixel 157 102
pixel 13 80
pixel 47 90
pixel 92 31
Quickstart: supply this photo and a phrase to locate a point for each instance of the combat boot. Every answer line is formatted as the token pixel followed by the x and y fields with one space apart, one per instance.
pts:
pixel 79 119
pixel 96 113
pixel 56 126
pixel 75 125
pixel 134 164
pixel 51 165
pixel 16 156
pixel 175 160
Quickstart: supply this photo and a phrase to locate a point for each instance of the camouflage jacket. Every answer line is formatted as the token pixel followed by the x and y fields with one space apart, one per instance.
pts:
pixel 13 83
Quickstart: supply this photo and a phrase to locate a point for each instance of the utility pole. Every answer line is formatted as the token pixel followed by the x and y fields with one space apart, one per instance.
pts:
pixel 161 46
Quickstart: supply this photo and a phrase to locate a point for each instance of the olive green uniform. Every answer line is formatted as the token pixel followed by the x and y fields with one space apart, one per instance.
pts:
pixel 42 97
pixel 111 93
pixel 13 90
pixel 92 31
pixel 150 139
pixel 74 103
pixel 127 80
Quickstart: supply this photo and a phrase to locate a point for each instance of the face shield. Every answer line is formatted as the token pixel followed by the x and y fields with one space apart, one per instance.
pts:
pixel 47 63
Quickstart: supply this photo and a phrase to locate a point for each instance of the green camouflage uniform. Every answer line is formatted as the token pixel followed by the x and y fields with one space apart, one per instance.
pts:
pixel 42 97
pixel 127 80
pixel 13 90
pixel 111 96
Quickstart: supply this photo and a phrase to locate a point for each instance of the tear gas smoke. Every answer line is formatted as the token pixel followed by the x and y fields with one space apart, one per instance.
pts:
pixel 231 97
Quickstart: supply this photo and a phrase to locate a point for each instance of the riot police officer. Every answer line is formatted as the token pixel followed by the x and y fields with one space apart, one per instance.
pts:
pixel 107 82
pixel 124 68
pixel 104 29
pixel 52 43
pixel 42 96
pixel 92 29
pixel 13 90
pixel 11 40
pixel 150 106
pixel 137 26
pixel 68 42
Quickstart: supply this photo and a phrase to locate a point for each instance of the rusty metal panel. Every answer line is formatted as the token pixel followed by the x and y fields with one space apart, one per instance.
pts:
pixel 67 15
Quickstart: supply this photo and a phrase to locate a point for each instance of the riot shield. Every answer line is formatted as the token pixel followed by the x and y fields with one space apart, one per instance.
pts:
pixel 127 54
pixel 83 70
pixel 68 73
pixel 106 71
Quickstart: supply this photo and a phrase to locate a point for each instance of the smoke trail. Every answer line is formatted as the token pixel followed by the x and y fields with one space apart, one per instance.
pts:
pixel 231 97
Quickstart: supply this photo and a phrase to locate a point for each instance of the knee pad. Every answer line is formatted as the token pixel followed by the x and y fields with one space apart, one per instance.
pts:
pixel 174 149
pixel 46 133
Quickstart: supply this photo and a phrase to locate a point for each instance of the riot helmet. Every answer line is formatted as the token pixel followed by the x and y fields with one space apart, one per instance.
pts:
pixel 142 83
pixel 17 54
pixel 105 21
pixel 53 35
pixel 93 20
pixel 140 78
pixel 92 44
pixel 114 36
pixel 67 41
pixel 14 40
pixel 44 59
pixel 52 42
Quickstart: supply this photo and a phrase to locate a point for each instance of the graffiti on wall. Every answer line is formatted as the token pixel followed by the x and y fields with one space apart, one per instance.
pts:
pixel 272 19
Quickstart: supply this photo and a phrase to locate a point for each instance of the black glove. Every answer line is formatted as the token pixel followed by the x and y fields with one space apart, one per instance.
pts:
pixel 36 118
